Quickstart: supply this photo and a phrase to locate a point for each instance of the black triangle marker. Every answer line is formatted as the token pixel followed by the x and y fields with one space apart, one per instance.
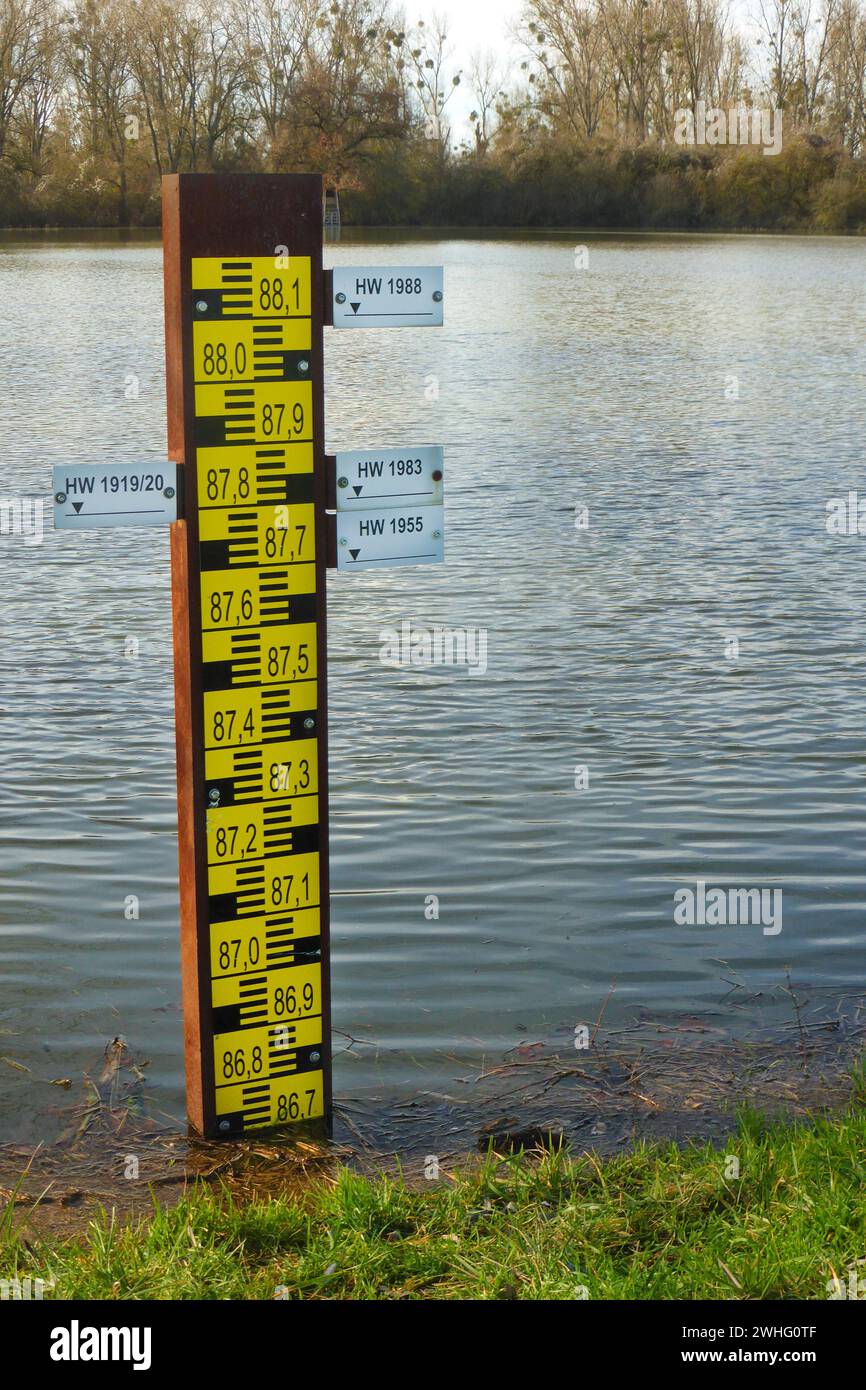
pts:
pixel 356 307
pixel 77 506
pixel 357 491
pixel 354 554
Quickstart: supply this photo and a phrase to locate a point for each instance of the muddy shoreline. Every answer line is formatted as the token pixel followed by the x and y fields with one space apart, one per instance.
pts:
pixel 679 1078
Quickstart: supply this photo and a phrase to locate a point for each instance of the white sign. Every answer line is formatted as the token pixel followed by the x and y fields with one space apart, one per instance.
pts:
pixel 114 494
pixel 404 536
pixel 389 477
pixel 388 296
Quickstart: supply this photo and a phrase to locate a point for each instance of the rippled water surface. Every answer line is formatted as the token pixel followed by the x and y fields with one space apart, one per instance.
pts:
pixel 608 647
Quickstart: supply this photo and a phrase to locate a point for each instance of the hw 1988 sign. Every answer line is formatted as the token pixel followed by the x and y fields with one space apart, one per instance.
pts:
pixel 388 296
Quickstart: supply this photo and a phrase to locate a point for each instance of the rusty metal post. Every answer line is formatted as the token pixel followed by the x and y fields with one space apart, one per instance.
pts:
pixel 244 369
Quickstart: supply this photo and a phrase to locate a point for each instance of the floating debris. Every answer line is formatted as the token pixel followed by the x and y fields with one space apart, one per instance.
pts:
pixel 18 1066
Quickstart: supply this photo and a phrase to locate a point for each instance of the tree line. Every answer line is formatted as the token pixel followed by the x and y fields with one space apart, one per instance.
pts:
pixel 98 98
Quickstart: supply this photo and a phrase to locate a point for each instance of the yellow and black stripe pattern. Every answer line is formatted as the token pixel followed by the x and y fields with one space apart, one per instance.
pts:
pixel 257 553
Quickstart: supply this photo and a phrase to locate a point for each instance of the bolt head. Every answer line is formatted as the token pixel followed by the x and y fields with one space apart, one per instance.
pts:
pixel 437 295
pixel 436 535
pixel 303 365
pixel 201 306
pixel 168 492
pixel 60 496
pixel 213 795
pixel 224 1125
pixel 309 723
pixel 315 1056
pixel 343 541
pixel 342 482
pixel 340 298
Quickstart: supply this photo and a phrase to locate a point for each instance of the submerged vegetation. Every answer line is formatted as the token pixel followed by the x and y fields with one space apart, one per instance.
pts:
pixel 601 119
pixel 780 1213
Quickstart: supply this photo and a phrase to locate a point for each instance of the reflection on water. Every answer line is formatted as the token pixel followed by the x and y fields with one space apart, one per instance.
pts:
pixel 703 399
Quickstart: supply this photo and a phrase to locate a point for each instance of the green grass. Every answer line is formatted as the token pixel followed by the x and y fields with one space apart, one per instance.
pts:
pixel 657 1223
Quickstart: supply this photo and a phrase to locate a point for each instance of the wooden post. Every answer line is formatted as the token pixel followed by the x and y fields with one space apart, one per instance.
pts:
pixel 244 370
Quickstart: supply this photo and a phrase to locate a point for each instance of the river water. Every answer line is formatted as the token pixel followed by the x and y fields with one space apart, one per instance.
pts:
pixel 641 442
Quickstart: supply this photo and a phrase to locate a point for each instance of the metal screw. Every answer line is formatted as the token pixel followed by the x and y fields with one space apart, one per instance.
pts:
pixel 437 295
pixel 436 535
pixel 342 482
pixel 343 541
pixel 201 305
pixel 60 496
pixel 309 723
pixel 224 1125
pixel 314 1056
pixel 168 492
pixel 213 795
pixel 340 298
pixel 303 366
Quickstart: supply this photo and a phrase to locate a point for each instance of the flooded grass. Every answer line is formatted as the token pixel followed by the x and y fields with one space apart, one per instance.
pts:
pixel 658 1077
pixel 657 1223
pixel 656 1080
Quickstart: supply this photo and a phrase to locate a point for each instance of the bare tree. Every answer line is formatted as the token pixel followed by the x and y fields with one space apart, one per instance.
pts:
pixel 430 55
pixel 778 40
pixel 846 102
pixel 161 35
pixel 486 79
pixel 569 46
pixel 97 56
pixel 733 65
pixel 813 42
pixel 699 49
pixel 350 94
pixel 190 74
pixel 23 26
pixel 637 32
pixel 41 91
pixel 215 70
pixel 275 39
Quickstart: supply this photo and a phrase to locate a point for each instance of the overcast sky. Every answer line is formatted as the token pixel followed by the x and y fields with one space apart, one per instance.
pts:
pixel 484 23
pixel 471 23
